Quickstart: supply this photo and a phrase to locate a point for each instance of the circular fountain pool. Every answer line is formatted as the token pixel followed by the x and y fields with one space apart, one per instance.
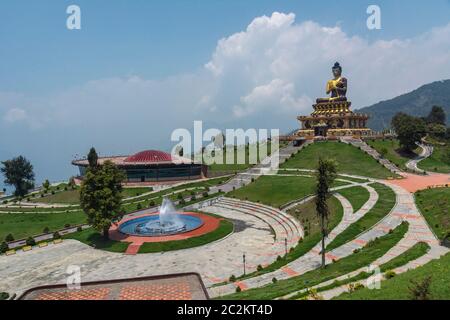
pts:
pixel 152 226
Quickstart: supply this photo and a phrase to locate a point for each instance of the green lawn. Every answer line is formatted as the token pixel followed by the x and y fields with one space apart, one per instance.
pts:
pixel 307 214
pixel 386 201
pixel 94 239
pixel 413 253
pixel 73 196
pixel 277 190
pixel 22 225
pixel 434 204
pixel 357 196
pixel 64 197
pixel 398 287
pixel 439 161
pixel 350 159
pixel 394 153
pixel 225 228
pixel 241 151
pixel 364 257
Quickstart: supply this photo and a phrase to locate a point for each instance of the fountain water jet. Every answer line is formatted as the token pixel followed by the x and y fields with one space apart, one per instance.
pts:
pixel 167 222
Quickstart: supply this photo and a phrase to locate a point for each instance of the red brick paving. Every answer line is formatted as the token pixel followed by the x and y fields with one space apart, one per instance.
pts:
pixel 413 182
pixel 171 287
pixel 176 291
pixel 86 294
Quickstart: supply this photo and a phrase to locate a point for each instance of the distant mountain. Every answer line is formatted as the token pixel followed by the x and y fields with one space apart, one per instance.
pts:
pixel 417 103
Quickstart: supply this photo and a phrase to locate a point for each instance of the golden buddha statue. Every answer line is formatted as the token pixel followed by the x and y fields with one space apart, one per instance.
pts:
pixel 337 86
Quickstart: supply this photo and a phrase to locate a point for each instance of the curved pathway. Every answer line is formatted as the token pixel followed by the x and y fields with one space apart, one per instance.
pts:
pixel 427 150
pixel 216 261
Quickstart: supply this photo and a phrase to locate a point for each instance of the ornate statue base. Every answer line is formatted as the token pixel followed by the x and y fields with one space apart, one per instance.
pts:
pixel 333 119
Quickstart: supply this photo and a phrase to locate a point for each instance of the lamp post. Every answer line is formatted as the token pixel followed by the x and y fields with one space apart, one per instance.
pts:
pixel 243 260
pixel 285 245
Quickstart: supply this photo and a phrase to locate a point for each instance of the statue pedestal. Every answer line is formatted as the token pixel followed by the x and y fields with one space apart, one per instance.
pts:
pixel 333 119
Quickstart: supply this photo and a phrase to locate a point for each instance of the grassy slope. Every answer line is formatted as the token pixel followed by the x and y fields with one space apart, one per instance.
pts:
pixel 352 262
pixel 350 159
pixel 73 196
pixel 22 225
pixel 434 204
pixel 439 161
pixel 277 190
pixel 413 253
pixel 96 240
pixel 242 151
pixel 386 201
pixel 307 214
pixel 357 196
pixel 394 154
pixel 397 288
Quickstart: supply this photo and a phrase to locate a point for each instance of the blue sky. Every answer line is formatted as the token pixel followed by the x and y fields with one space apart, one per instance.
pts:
pixel 139 69
pixel 156 39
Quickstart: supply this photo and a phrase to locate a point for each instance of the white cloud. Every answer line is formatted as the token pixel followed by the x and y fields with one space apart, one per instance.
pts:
pixel 276 96
pixel 15 115
pixel 268 73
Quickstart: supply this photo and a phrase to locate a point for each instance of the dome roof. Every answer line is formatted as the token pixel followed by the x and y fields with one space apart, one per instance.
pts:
pixel 149 156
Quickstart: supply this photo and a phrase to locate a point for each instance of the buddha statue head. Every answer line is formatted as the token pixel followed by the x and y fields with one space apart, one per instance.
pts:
pixel 337 70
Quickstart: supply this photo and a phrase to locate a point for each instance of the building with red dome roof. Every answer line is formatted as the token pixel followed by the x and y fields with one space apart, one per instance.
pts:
pixel 152 166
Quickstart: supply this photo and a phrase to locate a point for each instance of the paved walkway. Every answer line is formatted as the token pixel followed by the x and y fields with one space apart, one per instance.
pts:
pixel 413 182
pixel 427 150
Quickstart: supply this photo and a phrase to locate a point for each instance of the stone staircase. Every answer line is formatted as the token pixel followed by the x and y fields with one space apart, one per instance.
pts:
pixel 358 143
pixel 244 178
pixel 287 230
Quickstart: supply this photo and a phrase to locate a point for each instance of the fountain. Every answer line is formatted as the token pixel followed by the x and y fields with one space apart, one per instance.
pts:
pixel 167 222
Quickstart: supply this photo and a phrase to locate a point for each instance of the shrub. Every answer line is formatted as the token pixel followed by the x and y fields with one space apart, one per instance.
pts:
pixel 259 267
pixel 9 238
pixel 30 241
pixel 4 247
pixel 205 194
pixel 67 225
pixel 389 274
pixel 138 206
pixel 279 258
pixel 421 290
pixel 46 230
pixel 192 193
pixel 238 289
pixel 56 235
pixel 179 196
pixel 79 229
pixel 53 192
pixel 232 278
pixel 152 203
pixel 274 280
pixel 4 295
